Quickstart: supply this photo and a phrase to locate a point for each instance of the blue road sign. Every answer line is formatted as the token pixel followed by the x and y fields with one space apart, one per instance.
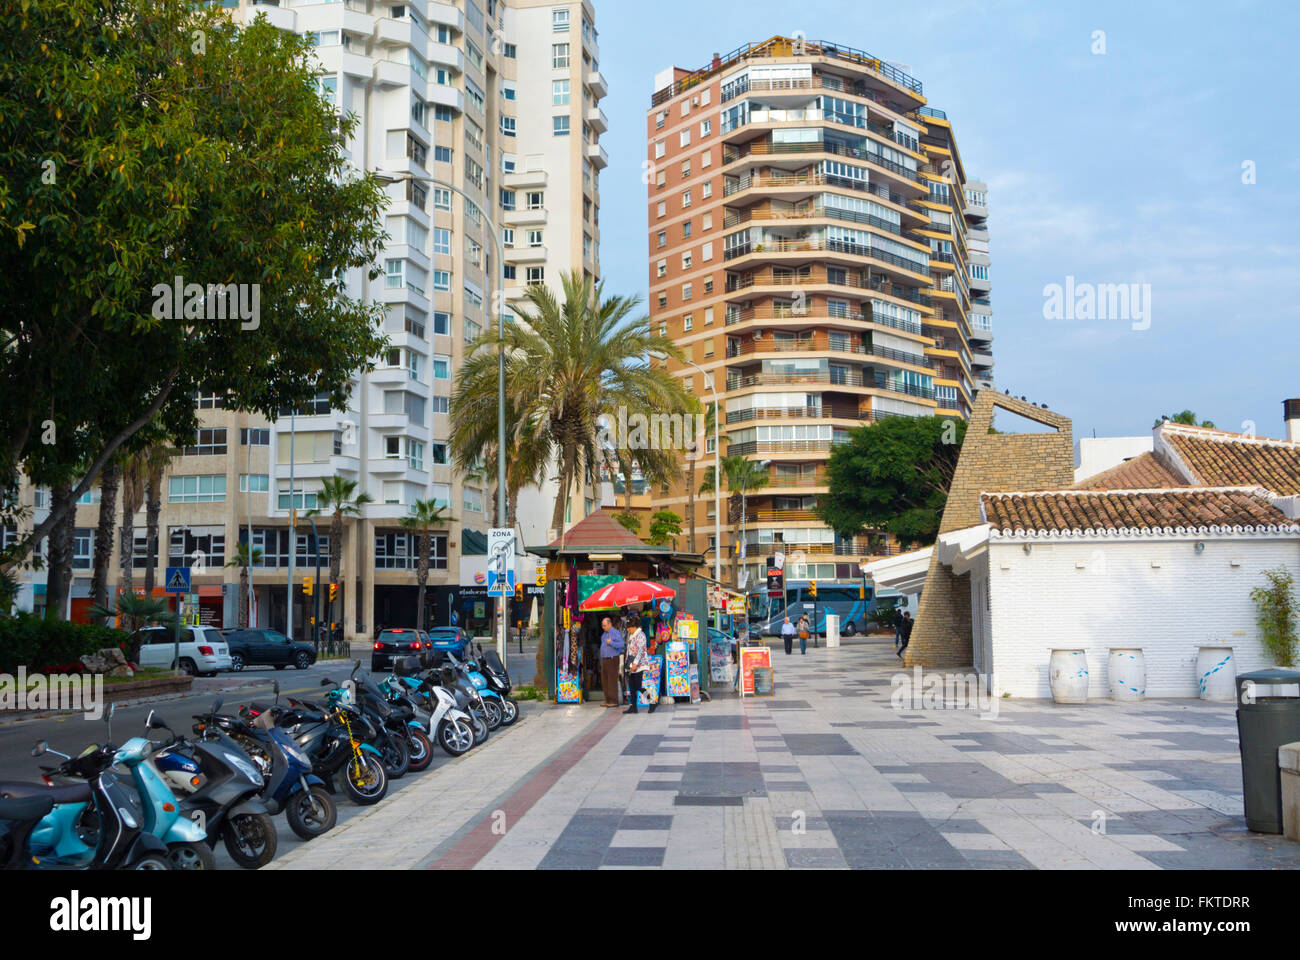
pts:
pixel 177 580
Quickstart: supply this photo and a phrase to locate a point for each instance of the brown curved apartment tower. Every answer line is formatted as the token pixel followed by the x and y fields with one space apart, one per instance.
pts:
pixel 818 252
pixel 989 463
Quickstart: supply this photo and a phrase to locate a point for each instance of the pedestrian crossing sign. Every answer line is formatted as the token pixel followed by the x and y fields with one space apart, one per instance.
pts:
pixel 177 580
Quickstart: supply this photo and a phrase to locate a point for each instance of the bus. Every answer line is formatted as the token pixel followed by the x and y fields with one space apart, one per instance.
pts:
pixel 856 604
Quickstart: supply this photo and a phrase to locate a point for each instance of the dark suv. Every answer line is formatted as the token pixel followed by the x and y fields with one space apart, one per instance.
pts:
pixel 257 647
pixel 398 643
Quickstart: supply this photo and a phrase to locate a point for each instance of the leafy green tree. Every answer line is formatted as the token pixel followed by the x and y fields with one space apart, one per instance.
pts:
pixel 1277 614
pixel 630 522
pixel 568 362
pixel 244 560
pixel 144 141
pixel 893 476
pixel 1189 417
pixel 339 499
pixel 665 526
pixel 426 516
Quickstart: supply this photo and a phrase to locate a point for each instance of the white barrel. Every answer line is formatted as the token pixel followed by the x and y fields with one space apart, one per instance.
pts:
pixel 1216 674
pixel 832 630
pixel 1068 673
pixel 1126 671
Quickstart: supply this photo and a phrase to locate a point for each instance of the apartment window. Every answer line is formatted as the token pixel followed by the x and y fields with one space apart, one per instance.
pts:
pixel 686 229
pixel 662 209
pixel 660 117
pixel 534 238
pixel 536 199
pixel 415 454
pixel 708 316
pixel 475 55
pixel 707 223
pixel 439 404
pixel 253 437
pixel 507 199
pixel 706 128
pixel 686 260
pixel 661 178
pixel 559 20
pixel 706 190
pixel 507 236
pixel 535 275
pixel 559 93
pixel 209 401
pixel 686 291
pixel 442 155
pixel 686 107
pixel 663 301
pixel 660 149
pixel 685 139
pixel 441 241
pixel 507 126
pixel 208 442
pixel 509 271
pixel 661 268
pixel 329 88
pixel 475 95
pixel 443 114
pixel 688 323
pixel 442 197
pixel 442 279
pixel 706 97
pixel 186 544
pixel 510 51
pixel 438 454
pixel 254 483
pixel 706 252
pixel 301 500
pixel 560 126
pixel 202 489
pixel 686 169
pixel 417 111
pixel 708 348
pixel 708 285
pixel 442 324
pixel 394 271
pixel 663 238
pixel 686 198
pixel 559 56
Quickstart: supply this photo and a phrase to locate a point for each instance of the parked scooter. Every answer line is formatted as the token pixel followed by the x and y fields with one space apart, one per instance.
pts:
pixel 449 726
pixel 489 674
pixel 333 736
pixel 33 828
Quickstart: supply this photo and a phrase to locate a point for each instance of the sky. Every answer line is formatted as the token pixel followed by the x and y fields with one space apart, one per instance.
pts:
pixel 1119 167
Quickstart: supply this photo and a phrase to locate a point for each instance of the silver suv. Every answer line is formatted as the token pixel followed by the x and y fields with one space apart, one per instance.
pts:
pixel 203 651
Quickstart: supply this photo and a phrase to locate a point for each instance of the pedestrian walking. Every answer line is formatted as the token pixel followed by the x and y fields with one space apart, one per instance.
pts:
pixel 612 645
pixel 804 628
pixel 787 634
pixel 636 660
pixel 898 626
pixel 908 624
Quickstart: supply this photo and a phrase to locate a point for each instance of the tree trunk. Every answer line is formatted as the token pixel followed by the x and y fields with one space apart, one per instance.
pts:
pixel 127 547
pixel 59 554
pixel 153 507
pixel 108 484
pixel 336 564
pixel 421 577
pixel 562 498
pixel 243 597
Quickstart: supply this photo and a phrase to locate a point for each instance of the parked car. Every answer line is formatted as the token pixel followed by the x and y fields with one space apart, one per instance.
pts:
pixel 394 644
pixel 453 639
pixel 204 651
pixel 257 647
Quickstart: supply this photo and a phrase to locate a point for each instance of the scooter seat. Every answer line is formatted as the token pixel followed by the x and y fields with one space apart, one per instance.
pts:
pixel 76 793
pixel 26 808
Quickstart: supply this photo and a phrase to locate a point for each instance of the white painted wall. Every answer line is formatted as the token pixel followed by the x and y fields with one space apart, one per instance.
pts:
pixel 1043 601
pixel 1101 453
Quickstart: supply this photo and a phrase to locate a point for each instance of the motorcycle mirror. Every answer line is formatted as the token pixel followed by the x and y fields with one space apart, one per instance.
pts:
pixel 108 714
pixel 157 723
pixel 276 687
pixel 217 705
pixel 327 682
pixel 42 747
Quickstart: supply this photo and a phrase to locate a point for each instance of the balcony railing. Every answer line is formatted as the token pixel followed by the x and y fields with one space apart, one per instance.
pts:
pixel 818 81
pixel 767 148
pixel 845 379
pixel 818 479
pixel 778 446
pixel 831 412
pixel 814 212
pixel 824 344
pixel 836 246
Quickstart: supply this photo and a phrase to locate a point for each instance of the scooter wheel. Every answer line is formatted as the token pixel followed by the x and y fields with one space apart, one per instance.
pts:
pixel 421 750
pixel 366 781
pixel 492 712
pixel 311 813
pixel 397 758
pixel 455 737
pixel 191 856
pixel 250 840
pixel 152 861
pixel 509 711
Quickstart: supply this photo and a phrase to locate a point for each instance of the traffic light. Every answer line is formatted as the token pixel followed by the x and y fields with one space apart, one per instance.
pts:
pixel 308 586
pixel 334 592
pixel 862 591
pixel 812 589
pixel 519 591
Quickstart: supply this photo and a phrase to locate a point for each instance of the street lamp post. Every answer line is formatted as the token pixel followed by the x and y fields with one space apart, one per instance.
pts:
pixel 498 300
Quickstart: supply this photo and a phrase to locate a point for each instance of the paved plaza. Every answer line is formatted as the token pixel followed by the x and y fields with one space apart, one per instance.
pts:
pixel 827 774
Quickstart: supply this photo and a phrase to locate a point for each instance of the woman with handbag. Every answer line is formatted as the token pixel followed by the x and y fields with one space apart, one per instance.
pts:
pixel 804 628
pixel 636 663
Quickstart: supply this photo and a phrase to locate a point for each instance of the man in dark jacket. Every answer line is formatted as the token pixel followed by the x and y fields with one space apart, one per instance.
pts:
pixel 898 626
pixel 906 628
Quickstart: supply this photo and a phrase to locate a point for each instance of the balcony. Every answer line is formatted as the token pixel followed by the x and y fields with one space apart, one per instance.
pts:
pixel 776 181
pixel 821 343
pixel 596 83
pixel 597 155
pixel 279 17
pixel 525 254
pixel 446 55
pixel 445 14
pixel 778 446
pixel 846 379
pixel 513 218
pixel 818 211
pixel 817 276
pixel 446 97
pixel 763 148
pixel 522 179
pixel 596 119
pixel 831 412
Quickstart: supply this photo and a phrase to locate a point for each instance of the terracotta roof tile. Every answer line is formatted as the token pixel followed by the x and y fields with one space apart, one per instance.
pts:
pixel 1082 510
pixel 1144 472
pixel 1226 459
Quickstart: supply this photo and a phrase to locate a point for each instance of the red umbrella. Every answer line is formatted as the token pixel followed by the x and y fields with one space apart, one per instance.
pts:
pixel 625 593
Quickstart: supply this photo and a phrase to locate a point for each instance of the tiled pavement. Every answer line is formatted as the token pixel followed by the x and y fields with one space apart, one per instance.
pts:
pixel 826 774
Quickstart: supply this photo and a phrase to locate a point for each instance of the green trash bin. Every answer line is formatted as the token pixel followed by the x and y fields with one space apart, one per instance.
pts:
pixel 1267 718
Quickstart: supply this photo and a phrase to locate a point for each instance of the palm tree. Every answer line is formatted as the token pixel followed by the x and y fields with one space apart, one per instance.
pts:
pixel 566 364
pixel 244 560
pixel 473 442
pixel 338 496
pixel 743 476
pixel 109 479
pixel 133 479
pixel 136 611
pixel 693 454
pixel 425 516
pixel 156 459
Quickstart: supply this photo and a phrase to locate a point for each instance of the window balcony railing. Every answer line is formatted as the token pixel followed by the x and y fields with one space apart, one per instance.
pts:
pixel 821 343
pixel 768 148
pixel 732 218
pixel 848 378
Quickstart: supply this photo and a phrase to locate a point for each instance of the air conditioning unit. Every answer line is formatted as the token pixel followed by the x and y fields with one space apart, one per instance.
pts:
pixel 695 101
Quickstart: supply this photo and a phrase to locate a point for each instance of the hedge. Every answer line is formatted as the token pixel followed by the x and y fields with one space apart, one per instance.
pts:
pixel 51 646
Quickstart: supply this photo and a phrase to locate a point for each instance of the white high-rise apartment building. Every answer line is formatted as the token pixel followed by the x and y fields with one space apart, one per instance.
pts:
pixel 978 267
pixel 499 98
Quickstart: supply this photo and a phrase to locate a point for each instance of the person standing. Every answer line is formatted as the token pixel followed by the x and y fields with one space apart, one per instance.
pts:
pixel 898 626
pixel 908 624
pixel 636 664
pixel 804 627
pixel 787 634
pixel 612 645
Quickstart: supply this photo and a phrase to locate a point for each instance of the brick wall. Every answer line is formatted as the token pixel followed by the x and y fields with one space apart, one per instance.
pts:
pixel 989 463
pixel 1095 595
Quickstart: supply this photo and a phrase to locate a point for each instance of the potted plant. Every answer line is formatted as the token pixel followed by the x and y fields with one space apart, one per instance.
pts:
pixel 1277 613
